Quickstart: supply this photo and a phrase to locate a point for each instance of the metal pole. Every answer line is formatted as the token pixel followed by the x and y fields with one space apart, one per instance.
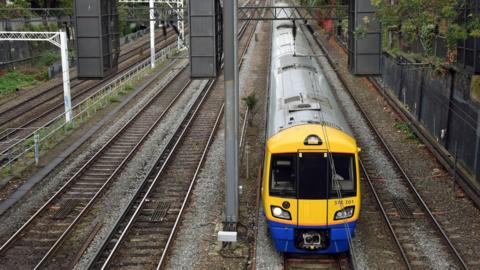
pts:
pixel 181 26
pixel 36 139
pixel 152 33
pixel 66 77
pixel 231 111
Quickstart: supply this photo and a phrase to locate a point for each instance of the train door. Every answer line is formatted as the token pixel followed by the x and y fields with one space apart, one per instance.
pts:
pixel 312 187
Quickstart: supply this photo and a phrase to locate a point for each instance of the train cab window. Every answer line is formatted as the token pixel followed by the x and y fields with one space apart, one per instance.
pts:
pixel 343 179
pixel 283 175
pixel 313 175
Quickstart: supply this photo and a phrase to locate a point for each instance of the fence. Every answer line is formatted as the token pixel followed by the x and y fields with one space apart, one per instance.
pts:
pixel 442 103
pixel 51 133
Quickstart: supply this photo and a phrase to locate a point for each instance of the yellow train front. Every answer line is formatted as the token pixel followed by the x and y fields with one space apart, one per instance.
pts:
pixel 311 183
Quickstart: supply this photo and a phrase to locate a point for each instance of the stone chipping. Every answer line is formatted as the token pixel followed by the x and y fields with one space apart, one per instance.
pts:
pixel 119 195
pixel 19 213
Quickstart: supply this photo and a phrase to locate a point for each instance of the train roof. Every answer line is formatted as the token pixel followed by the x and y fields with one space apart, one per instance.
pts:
pixel 299 92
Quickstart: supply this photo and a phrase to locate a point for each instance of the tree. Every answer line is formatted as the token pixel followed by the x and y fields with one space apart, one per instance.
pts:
pixel 425 20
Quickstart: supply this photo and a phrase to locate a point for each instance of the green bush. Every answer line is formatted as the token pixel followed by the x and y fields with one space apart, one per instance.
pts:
pixel 250 101
pixel 48 58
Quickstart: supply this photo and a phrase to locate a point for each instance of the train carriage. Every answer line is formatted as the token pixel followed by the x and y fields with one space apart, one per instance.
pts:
pixel 311 183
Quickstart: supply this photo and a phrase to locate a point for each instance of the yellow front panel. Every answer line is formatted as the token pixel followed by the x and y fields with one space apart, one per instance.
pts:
pixel 290 140
pixel 312 212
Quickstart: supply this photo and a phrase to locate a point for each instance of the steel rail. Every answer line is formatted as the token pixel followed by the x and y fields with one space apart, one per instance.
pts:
pixel 90 203
pixel 152 185
pixel 442 154
pixel 147 194
pixel 172 234
pixel 78 94
pixel 190 188
pixel 385 216
pixel 15 236
pixel 311 261
pixel 128 54
pixel 67 184
pixel 138 192
pixel 395 160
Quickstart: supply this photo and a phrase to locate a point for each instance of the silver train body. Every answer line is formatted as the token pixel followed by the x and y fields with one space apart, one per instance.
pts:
pixel 299 91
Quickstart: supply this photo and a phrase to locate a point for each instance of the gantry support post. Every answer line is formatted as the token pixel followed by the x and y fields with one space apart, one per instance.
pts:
pixel 230 47
pixel 58 39
pixel 179 10
pixel 152 33
pixel 180 25
pixel 67 100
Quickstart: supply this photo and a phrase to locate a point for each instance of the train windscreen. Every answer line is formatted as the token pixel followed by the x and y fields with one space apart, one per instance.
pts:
pixel 312 176
pixel 343 180
pixel 283 175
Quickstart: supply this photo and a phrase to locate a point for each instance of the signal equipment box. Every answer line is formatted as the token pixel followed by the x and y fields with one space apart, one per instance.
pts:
pixel 205 38
pixel 364 51
pixel 97 38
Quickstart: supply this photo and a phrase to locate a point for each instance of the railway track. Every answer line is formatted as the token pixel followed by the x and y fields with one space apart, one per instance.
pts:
pixel 404 210
pixel 143 234
pixel 41 235
pixel 43 107
pixel 411 212
pixel 12 112
pixel 302 262
pixel 143 237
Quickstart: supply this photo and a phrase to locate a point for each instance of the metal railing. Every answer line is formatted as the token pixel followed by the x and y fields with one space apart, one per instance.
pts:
pixel 27 149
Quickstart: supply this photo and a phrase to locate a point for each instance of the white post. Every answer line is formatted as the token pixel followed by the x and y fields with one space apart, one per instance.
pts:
pixel 181 25
pixel 66 77
pixel 152 33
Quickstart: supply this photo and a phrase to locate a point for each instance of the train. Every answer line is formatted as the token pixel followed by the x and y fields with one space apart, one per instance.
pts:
pixel 311 179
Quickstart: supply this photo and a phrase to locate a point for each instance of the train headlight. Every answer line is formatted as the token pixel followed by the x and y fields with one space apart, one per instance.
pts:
pixel 312 140
pixel 346 212
pixel 278 212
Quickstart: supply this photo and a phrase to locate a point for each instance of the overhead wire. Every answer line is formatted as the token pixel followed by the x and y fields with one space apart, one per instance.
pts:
pixel 331 161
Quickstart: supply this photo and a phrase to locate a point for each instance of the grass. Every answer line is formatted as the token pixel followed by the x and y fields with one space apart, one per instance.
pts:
pixel 59 130
pixel 408 130
pixel 113 99
pixel 13 80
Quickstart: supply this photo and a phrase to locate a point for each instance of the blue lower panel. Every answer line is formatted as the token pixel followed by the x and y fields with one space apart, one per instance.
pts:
pixel 284 237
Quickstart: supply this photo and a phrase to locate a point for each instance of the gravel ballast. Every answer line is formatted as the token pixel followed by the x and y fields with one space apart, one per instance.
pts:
pixel 118 197
pixel 449 206
pixel 196 245
pixel 19 213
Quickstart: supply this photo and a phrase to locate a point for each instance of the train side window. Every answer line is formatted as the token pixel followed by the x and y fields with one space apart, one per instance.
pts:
pixel 283 175
pixel 343 180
